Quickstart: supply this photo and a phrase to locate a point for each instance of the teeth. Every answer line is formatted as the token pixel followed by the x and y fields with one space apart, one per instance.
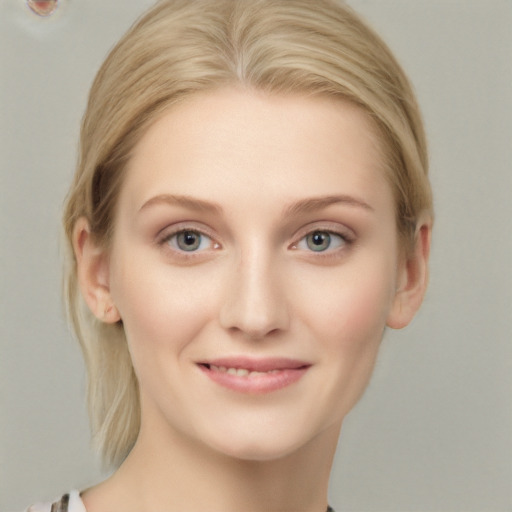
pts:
pixel 240 372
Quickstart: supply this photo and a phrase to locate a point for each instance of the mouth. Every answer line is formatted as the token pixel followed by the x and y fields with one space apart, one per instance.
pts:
pixel 239 372
pixel 254 376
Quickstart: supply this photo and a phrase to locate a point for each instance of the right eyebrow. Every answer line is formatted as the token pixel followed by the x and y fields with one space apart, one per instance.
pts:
pixel 192 203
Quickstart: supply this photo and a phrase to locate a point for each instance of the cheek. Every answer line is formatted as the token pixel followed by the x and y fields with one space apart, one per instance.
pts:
pixel 347 317
pixel 351 309
pixel 162 309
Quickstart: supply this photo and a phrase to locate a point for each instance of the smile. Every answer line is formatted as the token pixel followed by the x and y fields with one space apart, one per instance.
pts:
pixel 254 376
pixel 240 372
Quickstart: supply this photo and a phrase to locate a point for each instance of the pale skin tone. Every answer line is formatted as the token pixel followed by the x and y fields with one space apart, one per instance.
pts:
pixel 259 227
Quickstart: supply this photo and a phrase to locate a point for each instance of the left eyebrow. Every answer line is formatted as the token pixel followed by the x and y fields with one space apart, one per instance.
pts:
pixel 317 203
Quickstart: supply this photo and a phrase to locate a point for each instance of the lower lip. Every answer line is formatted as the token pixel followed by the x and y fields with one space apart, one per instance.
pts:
pixel 259 384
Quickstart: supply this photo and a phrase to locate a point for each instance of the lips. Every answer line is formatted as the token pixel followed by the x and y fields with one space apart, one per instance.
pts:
pixel 254 376
pixel 241 372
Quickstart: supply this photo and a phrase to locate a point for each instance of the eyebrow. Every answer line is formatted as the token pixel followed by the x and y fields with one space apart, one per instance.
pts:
pixel 317 203
pixel 296 208
pixel 189 202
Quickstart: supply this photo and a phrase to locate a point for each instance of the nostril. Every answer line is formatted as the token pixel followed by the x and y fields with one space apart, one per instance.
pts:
pixel 254 306
pixel 43 8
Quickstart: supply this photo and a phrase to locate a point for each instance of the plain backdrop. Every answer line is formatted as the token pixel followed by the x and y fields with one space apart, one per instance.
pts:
pixel 434 429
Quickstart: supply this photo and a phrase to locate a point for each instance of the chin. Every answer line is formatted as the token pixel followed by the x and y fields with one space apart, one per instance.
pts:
pixel 259 452
pixel 268 445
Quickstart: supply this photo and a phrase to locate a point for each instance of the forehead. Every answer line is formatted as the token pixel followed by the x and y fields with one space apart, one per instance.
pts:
pixel 231 143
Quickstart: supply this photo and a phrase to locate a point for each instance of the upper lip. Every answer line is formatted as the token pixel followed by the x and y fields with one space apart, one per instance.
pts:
pixel 257 365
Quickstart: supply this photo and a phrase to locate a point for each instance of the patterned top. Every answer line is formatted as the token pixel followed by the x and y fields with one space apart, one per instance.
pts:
pixel 73 503
pixel 70 502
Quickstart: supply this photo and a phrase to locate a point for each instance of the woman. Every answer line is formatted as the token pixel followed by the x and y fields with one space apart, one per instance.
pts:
pixel 251 209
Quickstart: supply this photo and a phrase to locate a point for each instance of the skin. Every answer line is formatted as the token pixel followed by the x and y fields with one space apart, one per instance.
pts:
pixel 256 177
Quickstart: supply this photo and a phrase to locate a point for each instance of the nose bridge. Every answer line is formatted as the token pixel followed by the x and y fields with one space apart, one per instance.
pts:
pixel 255 301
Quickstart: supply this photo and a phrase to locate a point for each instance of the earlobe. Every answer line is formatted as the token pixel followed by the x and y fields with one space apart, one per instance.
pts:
pixel 412 280
pixel 93 273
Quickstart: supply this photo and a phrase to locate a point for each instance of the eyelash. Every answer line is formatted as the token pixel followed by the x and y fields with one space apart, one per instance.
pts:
pixel 330 235
pixel 346 240
pixel 166 238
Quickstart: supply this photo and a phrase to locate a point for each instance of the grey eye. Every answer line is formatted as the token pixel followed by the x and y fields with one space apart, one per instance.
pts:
pixel 189 240
pixel 322 241
pixel 318 241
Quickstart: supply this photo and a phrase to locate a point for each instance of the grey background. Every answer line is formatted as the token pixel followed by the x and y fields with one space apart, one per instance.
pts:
pixel 434 430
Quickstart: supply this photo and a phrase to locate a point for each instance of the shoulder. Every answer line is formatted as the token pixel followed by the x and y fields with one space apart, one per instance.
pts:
pixel 70 502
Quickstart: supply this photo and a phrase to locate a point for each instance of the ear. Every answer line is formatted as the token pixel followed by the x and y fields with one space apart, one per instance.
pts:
pixel 93 273
pixel 412 279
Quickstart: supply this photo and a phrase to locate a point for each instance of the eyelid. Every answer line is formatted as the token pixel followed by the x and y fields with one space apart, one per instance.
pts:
pixel 169 231
pixel 328 227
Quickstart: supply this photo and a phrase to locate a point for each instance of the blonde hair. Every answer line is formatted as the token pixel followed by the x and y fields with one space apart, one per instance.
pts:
pixel 178 48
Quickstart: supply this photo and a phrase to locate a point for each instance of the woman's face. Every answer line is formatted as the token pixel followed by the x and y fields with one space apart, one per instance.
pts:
pixel 254 265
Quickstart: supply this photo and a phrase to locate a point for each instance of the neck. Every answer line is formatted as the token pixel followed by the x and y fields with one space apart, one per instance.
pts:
pixel 180 475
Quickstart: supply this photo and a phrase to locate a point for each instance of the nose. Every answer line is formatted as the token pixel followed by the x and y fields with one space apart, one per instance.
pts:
pixel 254 302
